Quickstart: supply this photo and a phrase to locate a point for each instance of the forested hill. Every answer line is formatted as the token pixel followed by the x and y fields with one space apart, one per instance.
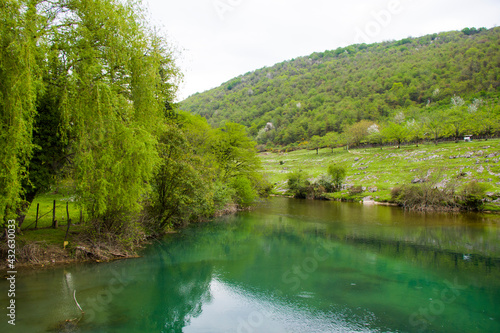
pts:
pixel 328 91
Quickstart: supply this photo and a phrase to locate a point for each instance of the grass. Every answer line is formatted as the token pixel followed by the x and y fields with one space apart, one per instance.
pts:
pixel 379 170
pixel 46 202
pixel 61 194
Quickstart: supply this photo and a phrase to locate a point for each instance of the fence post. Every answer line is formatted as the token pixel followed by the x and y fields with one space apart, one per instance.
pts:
pixel 54 221
pixel 69 221
pixel 36 219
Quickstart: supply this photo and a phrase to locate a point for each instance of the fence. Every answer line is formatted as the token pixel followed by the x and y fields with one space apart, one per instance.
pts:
pixel 54 222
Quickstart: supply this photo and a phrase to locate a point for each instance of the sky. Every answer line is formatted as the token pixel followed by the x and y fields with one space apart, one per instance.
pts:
pixel 217 40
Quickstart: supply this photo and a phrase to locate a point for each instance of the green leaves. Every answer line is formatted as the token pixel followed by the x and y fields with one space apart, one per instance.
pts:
pixel 18 77
pixel 338 174
pixel 234 152
pixel 100 78
pixel 330 91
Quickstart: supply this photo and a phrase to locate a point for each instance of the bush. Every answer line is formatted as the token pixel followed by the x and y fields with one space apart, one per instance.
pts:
pixel 223 196
pixel 395 192
pixel 424 196
pixel 356 190
pixel 298 184
pixel 337 173
pixel 244 194
pixel 326 182
pixel 472 195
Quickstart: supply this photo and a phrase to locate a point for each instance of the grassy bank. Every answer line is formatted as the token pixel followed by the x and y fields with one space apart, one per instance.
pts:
pixel 40 245
pixel 379 170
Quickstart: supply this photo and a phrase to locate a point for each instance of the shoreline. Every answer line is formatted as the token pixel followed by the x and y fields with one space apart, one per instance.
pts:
pixel 54 256
pixel 33 255
pixel 368 200
pixel 43 256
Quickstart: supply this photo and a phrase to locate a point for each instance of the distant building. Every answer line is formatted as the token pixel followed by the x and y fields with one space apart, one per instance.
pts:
pixel 468 138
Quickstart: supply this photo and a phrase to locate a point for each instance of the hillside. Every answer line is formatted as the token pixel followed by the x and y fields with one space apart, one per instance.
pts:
pixel 447 165
pixel 328 91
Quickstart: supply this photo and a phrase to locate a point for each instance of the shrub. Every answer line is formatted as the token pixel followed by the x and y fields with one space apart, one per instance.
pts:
pixel 472 195
pixel 326 182
pixel 338 175
pixel 244 194
pixel 395 192
pixel 223 196
pixel 356 190
pixel 298 184
pixel 424 196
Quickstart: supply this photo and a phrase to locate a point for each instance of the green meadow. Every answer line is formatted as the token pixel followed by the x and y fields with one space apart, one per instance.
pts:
pixel 378 170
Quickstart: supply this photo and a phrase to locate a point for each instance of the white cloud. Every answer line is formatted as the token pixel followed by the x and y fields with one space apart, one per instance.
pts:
pixel 249 34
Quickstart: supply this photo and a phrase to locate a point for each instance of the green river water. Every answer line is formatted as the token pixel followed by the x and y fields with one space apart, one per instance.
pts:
pixel 287 266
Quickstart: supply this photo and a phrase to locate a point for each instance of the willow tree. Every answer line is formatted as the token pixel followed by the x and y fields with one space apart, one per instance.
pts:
pixel 119 75
pixel 18 83
pixel 107 77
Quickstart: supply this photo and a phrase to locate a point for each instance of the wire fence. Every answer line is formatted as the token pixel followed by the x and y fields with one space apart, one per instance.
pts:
pixel 40 217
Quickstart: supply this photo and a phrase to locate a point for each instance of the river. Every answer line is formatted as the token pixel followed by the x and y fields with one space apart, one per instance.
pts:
pixel 287 266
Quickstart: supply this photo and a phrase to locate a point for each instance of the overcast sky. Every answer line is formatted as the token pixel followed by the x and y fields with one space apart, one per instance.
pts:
pixel 221 39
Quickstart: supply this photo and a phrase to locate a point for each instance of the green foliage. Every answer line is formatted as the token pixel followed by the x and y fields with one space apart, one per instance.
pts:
pixel 180 191
pixel 86 92
pixel 203 172
pixel 19 81
pixel 395 132
pixel 234 152
pixel 472 196
pixel 343 90
pixel 427 195
pixel 223 197
pixel 316 142
pixel 424 196
pixel 355 190
pixel 357 132
pixel 472 31
pixel 327 182
pixel 337 174
pixel 245 194
pixel 298 184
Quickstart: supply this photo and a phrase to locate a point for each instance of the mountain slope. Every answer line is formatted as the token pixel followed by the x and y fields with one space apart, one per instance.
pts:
pixel 329 90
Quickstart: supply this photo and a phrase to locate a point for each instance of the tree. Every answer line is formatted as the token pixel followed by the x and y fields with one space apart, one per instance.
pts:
pixel 375 135
pixel 394 132
pixel 19 80
pixel 332 140
pixel 181 182
pixel 487 120
pixel 435 125
pixel 456 121
pixel 298 184
pixel 316 142
pixel 106 79
pixel 338 174
pixel 234 152
pixel 415 131
pixel 119 77
pixel 358 132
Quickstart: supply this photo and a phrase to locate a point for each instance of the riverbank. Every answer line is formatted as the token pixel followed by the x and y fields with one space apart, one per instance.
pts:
pixel 375 172
pixel 47 247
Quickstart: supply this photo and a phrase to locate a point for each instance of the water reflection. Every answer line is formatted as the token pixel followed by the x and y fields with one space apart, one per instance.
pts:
pixel 289 266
